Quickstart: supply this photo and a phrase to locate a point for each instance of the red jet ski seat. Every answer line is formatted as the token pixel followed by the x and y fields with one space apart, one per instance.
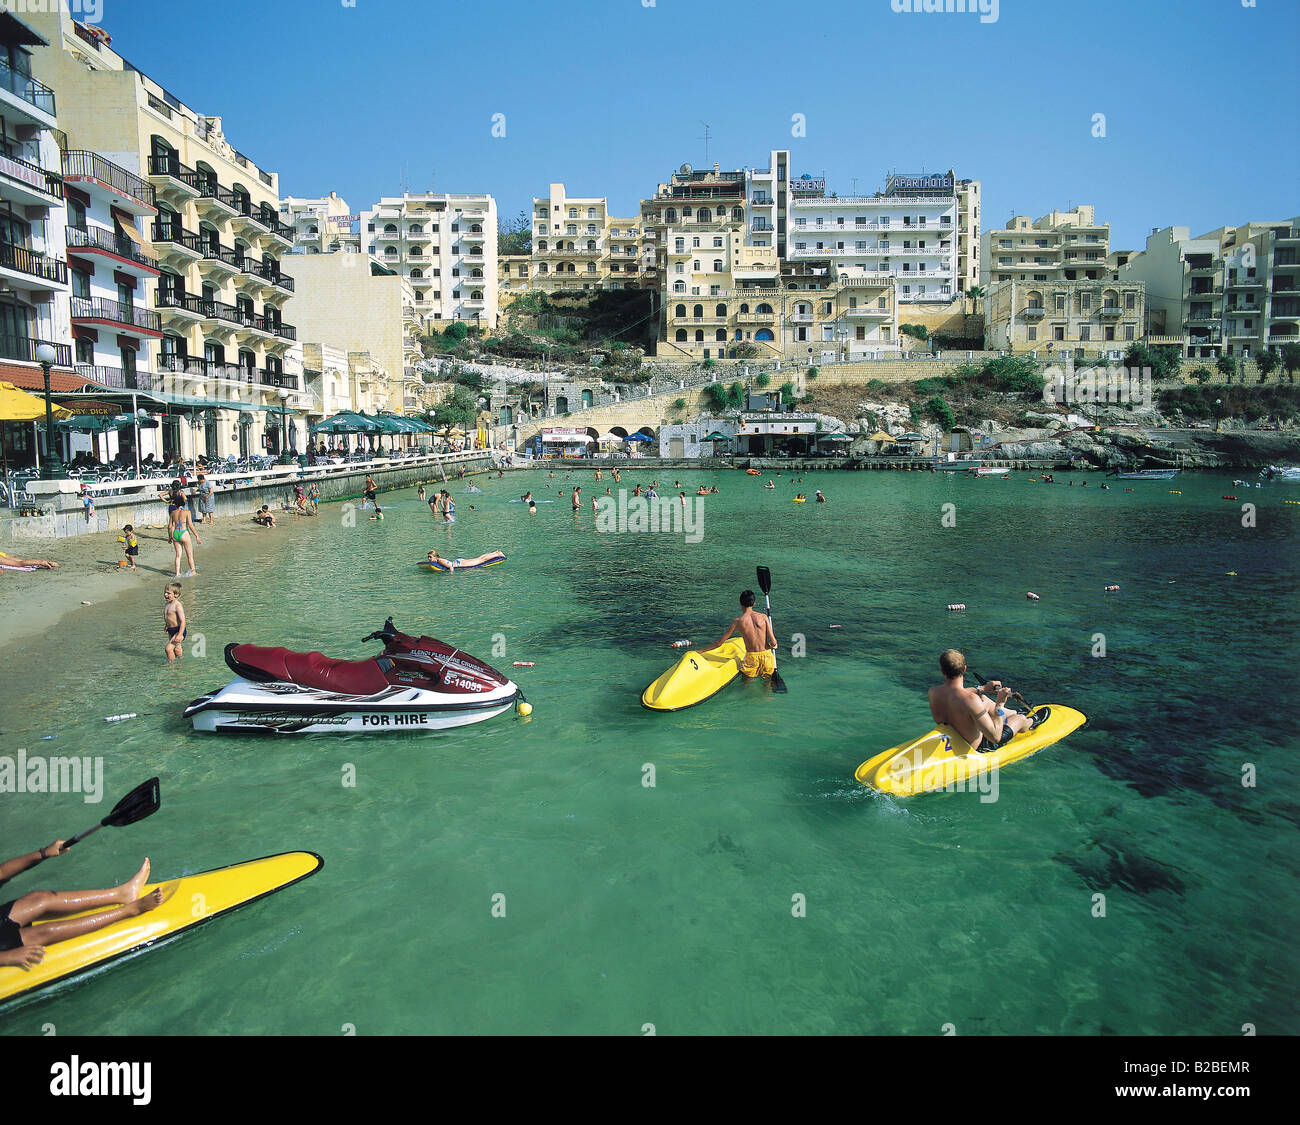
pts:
pixel 307 669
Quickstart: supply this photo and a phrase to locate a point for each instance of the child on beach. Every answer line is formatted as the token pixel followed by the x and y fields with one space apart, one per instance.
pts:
pixel 173 620
pixel 132 545
pixel 88 502
pixel 313 497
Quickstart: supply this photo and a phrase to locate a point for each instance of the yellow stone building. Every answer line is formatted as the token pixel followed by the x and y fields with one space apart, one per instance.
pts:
pixel 1059 246
pixel 1087 319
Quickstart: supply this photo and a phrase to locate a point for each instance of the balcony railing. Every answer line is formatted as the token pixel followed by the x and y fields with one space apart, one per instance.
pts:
pixel 1111 310
pixel 98 238
pixel 266 273
pixel 174 169
pixel 284 331
pixel 215 252
pixel 27 88
pixel 181 302
pixel 210 189
pixel 177 236
pixel 31 175
pixel 24 348
pixel 265 220
pixel 30 262
pixel 79 162
pixel 101 308
pixel 277 378
pixel 116 377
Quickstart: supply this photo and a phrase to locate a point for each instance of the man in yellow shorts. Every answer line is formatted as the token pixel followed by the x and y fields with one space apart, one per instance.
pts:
pixel 760 641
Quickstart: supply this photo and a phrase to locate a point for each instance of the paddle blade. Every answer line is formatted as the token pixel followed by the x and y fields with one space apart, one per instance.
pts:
pixel 778 684
pixel 765 580
pixel 142 801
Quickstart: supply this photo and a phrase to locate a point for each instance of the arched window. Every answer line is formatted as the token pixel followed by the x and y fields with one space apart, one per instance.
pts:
pixel 476 273
pixel 591 212
pixel 476 229
pixel 390 228
pixel 417 274
pixel 744 309
pixel 313 229
pixel 686 212
pixel 680 310
pixel 679 287
pixel 699 335
pixel 591 244
pixel 763 334
pixel 476 296
pixel 670 216
pixel 717 265
pixel 416 228
pixel 572 228
pixel 573 212
pixel 541 246
pixel 704 215
pixel 542 267
pixel 698 312
pixel 738 214
pixel 681 335
pixel 721 335
pixel 721 310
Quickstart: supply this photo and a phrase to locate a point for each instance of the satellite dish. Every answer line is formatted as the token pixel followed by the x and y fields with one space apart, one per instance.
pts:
pixel 685 169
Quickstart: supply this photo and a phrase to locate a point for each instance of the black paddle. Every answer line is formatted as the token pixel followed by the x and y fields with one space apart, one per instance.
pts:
pixel 1014 695
pixel 765 584
pixel 142 801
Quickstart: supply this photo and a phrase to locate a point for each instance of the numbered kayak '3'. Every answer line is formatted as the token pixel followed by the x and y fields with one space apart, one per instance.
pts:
pixel 188 902
pixel 942 759
pixel 696 677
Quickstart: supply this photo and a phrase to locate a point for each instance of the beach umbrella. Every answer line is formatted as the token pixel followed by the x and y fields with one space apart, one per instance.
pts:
pixel 608 437
pixel 18 406
pixel 638 437
pixel 880 435
pixel 834 437
pixel 715 436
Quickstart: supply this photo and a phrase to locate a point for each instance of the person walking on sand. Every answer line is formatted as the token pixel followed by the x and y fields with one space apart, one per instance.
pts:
pixel 22 944
pixel 173 621
pixel 180 526
pixel 207 499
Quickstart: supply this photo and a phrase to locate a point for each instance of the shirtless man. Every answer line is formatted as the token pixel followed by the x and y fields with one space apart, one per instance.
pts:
pixel 760 641
pixel 985 723
pixel 577 500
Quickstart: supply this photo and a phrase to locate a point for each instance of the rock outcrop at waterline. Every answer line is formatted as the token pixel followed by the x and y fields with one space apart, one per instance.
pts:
pixel 1138 449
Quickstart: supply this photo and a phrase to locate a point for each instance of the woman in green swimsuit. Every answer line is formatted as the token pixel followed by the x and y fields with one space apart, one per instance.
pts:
pixel 180 527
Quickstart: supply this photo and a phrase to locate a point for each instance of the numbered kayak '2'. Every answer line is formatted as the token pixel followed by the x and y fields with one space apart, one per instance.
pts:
pixel 189 902
pixel 696 677
pixel 942 759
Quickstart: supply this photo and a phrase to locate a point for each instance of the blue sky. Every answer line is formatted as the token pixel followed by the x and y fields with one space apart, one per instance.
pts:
pixel 1202 121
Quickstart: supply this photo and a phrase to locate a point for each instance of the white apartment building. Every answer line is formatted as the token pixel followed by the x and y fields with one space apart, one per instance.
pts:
pixel 321 226
pixel 445 246
pixel 909 232
pixel 34 307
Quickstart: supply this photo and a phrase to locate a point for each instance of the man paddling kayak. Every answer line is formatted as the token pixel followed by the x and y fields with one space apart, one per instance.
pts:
pixel 760 641
pixel 22 944
pixel 985 723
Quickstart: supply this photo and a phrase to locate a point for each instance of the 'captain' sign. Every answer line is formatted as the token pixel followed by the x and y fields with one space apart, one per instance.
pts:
pixel 940 183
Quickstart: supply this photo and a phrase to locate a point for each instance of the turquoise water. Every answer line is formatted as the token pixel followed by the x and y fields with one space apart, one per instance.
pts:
pixel 674 905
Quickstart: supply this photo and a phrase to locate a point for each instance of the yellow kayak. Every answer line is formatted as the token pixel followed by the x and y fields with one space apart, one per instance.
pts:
pixel 697 676
pixel 189 901
pixel 942 758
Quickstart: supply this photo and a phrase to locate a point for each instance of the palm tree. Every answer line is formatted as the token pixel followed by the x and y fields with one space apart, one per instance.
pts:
pixel 974 292
pixel 1291 360
pixel 1267 362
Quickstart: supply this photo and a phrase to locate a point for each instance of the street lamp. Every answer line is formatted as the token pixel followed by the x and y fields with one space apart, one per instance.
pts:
pixel 52 466
pixel 284 427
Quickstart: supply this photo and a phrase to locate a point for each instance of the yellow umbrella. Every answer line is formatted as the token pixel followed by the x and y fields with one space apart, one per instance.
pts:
pixel 880 435
pixel 18 406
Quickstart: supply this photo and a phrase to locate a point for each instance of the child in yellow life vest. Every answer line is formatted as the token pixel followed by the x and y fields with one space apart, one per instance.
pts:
pixel 132 545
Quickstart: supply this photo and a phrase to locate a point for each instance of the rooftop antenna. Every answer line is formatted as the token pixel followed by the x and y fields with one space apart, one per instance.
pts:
pixel 855 185
pixel 706 141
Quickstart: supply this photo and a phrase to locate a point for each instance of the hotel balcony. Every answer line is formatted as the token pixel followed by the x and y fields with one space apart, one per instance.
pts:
pixel 1202 271
pixel 32 269
pixel 388 236
pixel 215 202
pixel 755 318
pixel 258 220
pixel 1284 286
pixel 121 251
pixel 99 177
pixel 219 262
pixel 24 100
pixel 1112 311
pixel 472 236
pixel 183 308
pixel 270 378
pixel 24 348
pixel 419 235
pixel 1202 321
pixel 28 184
pixel 126 319
pixel 177 242
pixel 1245 283
pixel 116 378
pixel 174 179
pixel 1034 312
pixel 867 311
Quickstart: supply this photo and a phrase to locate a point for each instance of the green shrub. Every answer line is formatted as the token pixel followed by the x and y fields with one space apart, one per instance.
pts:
pixel 456 330
pixel 762 379
pixel 812 373
pixel 941 412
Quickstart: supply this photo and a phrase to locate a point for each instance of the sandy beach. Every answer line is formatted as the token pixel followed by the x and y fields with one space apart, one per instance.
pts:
pixel 88 575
